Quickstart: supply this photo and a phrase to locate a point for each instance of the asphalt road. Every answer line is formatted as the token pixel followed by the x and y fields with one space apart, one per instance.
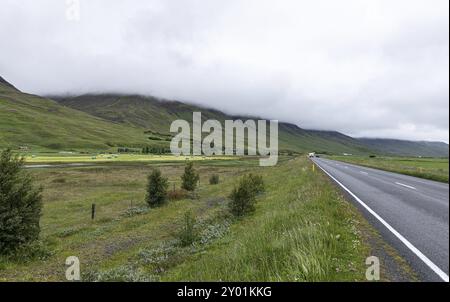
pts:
pixel 411 213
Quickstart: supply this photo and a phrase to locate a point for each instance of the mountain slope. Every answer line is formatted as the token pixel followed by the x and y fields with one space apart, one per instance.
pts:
pixel 156 115
pixel 40 123
pixel 406 148
pixel 100 122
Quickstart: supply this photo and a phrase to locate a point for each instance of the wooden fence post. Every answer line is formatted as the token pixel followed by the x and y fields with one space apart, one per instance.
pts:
pixel 93 211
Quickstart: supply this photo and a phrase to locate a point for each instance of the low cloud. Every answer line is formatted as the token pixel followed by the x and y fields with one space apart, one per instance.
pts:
pixel 366 68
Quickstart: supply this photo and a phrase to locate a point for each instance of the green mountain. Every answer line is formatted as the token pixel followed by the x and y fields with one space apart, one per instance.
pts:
pixel 43 124
pixel 97 122
pixel 406 148
pixel 155 115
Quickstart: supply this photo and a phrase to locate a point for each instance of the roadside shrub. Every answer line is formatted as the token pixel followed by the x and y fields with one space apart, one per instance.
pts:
pixel 188 234
pixel 20 205
pixel 177 194
pixel 372 156
pixel 214 179
pixel 256 183
pixel 243 196
pixel 190 177
pixel 156 189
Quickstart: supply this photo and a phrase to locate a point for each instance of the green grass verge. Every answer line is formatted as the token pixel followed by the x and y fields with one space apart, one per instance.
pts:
pixel 302 231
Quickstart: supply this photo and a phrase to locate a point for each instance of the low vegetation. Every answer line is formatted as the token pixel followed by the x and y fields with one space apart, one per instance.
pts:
pixel 301 229
pixel 101 158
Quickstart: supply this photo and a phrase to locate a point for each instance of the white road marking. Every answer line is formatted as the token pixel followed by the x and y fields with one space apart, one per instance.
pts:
pixel 362 172
pixel 408 244
pixel 400 184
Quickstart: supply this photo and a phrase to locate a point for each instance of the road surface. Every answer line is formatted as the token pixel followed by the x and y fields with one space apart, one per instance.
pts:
pixel 411 213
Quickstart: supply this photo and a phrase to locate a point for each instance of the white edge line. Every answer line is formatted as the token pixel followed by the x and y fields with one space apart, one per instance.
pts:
pixel 400 184
pixel 408 244
pixel 362 172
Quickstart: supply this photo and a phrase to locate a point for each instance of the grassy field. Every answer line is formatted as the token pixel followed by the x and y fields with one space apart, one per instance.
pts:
pixel 302 230
pixel 114 158
pixel 429 168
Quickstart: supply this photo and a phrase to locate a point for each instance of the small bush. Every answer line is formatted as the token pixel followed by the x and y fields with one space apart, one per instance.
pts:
pixel 20 205
pixel 214 179
pixel 243 196
pixel 372 156
pixel 156 189
pixel 190 177
pixel 257 183
pixel 177 194
pixel 188 234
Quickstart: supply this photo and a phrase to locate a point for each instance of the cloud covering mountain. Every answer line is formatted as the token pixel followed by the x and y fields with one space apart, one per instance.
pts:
pixel 365 68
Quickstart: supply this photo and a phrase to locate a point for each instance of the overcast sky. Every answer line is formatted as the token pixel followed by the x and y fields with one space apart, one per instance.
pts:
pixel 365 68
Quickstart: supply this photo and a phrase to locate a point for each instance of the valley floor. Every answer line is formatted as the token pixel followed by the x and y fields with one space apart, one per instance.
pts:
pixel 302 230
